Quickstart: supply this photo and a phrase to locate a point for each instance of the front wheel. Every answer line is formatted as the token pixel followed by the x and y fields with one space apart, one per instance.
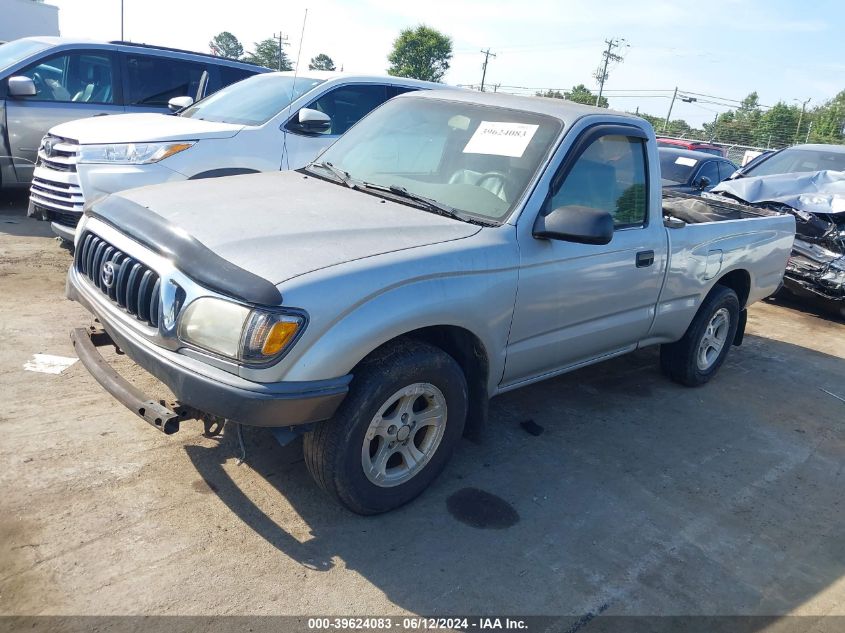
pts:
pixel 394 432
pixel 696 358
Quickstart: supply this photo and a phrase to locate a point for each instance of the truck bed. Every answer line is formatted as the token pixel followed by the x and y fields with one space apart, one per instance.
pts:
pixel 693 209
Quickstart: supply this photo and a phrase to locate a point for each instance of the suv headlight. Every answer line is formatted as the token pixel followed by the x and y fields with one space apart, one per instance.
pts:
pixel 131 153
pixel 245 334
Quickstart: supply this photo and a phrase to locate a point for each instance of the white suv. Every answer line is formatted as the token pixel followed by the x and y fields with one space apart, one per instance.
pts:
pixel 268 122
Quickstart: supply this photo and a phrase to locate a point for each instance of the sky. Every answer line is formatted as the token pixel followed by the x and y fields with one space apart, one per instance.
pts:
pixel 785 50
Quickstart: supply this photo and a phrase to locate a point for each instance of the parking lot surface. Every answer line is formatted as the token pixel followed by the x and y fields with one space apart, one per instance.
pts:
pixel 606 490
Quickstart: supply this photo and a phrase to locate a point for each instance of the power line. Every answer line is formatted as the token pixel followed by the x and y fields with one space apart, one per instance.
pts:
pixel 607 57
pixel 487 55
pixel 283 39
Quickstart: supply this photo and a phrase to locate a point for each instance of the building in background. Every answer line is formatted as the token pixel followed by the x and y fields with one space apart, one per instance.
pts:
pixel 22 18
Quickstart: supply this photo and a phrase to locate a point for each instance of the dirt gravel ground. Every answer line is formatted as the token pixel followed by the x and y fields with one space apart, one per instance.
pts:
pixel 624 494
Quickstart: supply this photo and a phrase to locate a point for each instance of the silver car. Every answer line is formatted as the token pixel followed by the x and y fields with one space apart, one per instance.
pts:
pixel 45 81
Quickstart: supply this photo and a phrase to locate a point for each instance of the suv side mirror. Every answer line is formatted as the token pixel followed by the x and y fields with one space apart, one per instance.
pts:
pixel 21 87
pixel 180 103
pixel 309 120
pixel 582 225
pixel 703 183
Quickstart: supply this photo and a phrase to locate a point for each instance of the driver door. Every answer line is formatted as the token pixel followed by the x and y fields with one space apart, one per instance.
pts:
pixel 70 85
pixel 580 302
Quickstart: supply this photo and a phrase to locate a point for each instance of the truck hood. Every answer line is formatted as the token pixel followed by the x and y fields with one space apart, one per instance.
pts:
pixel 142 128
pixel 280 225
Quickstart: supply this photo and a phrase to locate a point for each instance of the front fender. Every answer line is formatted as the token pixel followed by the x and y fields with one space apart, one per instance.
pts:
pixel 480 302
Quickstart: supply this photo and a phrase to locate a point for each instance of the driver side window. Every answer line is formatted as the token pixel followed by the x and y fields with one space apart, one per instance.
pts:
pixel 346 105
pixel 609 175
pixel 73 78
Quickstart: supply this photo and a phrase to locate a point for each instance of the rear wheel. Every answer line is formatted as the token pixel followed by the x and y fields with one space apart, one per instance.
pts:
pixel 697 357
pixel 394 432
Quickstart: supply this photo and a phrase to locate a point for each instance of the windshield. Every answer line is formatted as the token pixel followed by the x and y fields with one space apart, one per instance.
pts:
pixel 794 161
pixel 19 50
pixel 676 169
pixel 474 159
pixel 253 101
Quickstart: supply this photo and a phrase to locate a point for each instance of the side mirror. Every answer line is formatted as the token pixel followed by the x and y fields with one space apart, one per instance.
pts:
pixel 583 225
pixel 21 87
pixel 313 120
pixel 703 183
pixel 180 103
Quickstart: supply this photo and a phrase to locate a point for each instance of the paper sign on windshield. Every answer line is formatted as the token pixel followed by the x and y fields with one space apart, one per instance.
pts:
pixel 683 160
pixel 501 139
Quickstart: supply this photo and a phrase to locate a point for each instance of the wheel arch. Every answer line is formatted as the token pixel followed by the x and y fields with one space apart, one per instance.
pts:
pixel 471 355
pixel 739 281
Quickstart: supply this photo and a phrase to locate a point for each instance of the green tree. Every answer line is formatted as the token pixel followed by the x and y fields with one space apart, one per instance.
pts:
pixel 778 125
pixel 582 94
pixel 421 53
pixel 322 62
pixel 552 94
pixel 267 53
pixel 226 45
pixel 828 121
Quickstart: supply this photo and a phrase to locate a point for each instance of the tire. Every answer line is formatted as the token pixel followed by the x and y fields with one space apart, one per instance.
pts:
pixel 683 361
pixel 410 376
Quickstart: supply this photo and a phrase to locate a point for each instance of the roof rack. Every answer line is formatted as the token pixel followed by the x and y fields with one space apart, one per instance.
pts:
pixel 181 50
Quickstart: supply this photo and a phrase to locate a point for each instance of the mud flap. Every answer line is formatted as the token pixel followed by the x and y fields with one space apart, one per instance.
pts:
pixel 740 328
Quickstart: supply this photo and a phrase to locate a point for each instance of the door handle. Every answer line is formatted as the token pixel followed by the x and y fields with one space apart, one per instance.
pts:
pixel 645 259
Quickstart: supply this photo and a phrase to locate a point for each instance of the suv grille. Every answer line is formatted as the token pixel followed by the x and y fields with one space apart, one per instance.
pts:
pixel 58 153
pixel 132 285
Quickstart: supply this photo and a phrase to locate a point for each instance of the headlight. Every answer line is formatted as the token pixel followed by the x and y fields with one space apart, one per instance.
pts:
pixel 238 332
pixel 131 153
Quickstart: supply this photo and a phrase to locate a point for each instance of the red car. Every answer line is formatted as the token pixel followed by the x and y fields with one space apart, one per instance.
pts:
pixel 696 146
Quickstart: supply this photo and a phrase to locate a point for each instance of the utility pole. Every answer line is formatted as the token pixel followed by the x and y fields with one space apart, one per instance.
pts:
pixel 283 40
pixel 809 129
pixel 607 57
pixel 121 20
pixel 801 118
pixel 671 104
pixel 487 55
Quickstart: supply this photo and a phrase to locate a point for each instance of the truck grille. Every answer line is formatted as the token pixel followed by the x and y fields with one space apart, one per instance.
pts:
pixel 131 285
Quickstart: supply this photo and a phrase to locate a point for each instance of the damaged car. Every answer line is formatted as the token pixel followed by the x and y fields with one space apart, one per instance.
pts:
pixel 816 268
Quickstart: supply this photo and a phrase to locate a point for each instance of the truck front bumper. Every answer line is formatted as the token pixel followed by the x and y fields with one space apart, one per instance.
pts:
pixel 279 404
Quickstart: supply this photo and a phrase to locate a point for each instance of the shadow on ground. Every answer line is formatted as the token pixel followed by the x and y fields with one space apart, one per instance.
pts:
pixel 13 220
pixel 631 495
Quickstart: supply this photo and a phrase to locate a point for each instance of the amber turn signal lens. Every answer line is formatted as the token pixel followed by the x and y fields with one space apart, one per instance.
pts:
pixel 278 337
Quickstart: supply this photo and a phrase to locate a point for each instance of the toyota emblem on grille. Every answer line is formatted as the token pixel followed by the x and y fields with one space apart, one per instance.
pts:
pixel 107 274
pixel 48 148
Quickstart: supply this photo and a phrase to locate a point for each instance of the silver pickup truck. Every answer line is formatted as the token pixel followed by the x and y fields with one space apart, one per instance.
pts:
pixel 449 248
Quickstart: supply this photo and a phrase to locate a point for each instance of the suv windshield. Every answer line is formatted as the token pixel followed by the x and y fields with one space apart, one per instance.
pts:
pixel 253 101
pixel 475 159
pixel 19 50
pixel 794 161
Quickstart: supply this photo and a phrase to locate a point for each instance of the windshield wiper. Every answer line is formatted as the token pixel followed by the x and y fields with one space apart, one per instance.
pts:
pixel 429 203
pixel 337 172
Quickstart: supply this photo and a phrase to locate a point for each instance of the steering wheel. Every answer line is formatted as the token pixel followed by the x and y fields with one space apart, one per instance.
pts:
pixel 494 176
pixel 40 84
